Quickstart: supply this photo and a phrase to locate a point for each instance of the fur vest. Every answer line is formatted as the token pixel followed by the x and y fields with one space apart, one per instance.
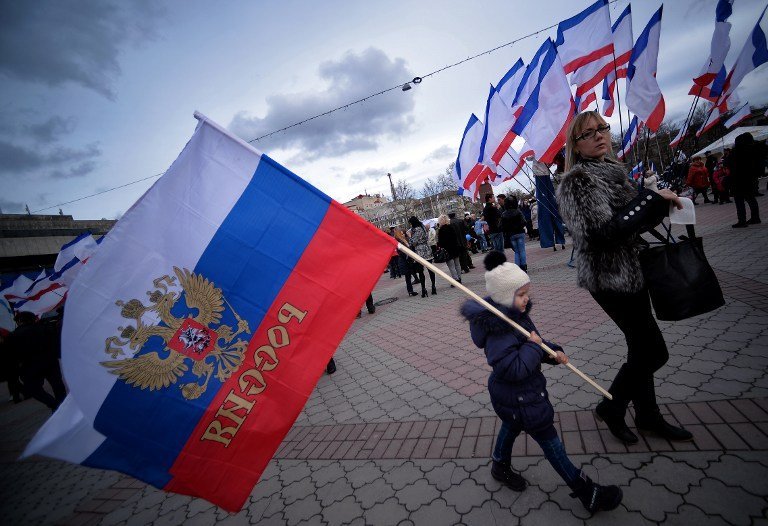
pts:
pixel 591 198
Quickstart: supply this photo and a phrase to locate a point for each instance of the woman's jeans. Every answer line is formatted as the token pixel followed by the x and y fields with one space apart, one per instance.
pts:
pixel 518 246
pixel 454 267
pixel 550 444
pixel 481 241
pixel 646 351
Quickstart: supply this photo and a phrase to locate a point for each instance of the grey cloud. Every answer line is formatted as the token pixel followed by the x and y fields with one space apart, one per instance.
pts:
pixel 52 129
pixel 377 173
pixel 18 159
pixel 440 153
pixel 78 170
pixel 356 128
pixel 75 41
pixel 11 207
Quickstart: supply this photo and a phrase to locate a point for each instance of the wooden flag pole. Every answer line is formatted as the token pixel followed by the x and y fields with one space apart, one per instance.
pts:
pixel 498 313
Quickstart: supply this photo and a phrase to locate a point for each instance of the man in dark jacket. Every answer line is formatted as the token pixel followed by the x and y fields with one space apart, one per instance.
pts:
pixel 492 217
pixel 746 164
pixel 461 230
pixel 710 162
pixel 35 347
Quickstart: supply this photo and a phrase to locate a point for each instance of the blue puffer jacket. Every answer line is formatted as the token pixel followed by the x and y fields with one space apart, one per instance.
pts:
pixel 517 387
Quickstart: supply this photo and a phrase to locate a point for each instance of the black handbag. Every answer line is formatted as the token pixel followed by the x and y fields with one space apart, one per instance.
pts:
pixel 441 255
pixel 679 278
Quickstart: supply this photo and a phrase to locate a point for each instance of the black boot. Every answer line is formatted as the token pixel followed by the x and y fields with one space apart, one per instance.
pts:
pixel 502 472
pixel 524 268
pixel 434 290
pixel 655 423
pixel 331 367
pixel 595 497
pixel 612 413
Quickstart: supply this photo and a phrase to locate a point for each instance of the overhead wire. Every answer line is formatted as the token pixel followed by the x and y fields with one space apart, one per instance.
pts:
pixel 328 112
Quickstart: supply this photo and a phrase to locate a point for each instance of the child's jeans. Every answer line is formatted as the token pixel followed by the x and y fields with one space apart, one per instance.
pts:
pixel 549 442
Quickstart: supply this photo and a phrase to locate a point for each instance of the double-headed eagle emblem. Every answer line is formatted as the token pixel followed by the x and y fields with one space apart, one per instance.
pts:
pixel 162 344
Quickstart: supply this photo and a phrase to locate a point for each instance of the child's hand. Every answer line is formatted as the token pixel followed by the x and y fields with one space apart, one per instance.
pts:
pixel 560 357
pixel 535 338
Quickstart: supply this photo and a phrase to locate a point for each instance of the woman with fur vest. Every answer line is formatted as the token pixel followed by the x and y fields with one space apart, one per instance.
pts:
pixel 606 213
pixel 517 387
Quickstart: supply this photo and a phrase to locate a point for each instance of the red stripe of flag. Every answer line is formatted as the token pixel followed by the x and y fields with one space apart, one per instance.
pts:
pixel 331 295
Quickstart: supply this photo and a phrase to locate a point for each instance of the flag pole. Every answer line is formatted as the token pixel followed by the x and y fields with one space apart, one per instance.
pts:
pixel 618 97
pixel 498 313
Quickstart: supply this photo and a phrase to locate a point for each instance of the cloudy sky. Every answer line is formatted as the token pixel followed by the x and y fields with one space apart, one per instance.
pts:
pixel 96 93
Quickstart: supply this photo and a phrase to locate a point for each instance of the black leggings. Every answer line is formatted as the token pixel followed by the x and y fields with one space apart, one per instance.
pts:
pixel 646 350
pixel 418 272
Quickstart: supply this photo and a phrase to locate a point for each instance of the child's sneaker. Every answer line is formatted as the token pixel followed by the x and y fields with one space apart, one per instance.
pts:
pixel 502 472
pixel 595 497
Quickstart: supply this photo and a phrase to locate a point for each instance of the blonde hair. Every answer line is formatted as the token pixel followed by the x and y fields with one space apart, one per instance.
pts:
pixel 443 220
pixel 572 157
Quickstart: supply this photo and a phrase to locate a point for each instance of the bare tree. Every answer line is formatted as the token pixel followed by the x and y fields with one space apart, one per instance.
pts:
pixel 404 190
pixel 445 180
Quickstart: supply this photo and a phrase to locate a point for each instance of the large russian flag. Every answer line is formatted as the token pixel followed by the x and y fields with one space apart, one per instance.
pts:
pixel 195 334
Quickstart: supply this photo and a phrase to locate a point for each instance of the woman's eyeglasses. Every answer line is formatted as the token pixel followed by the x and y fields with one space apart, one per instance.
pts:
pixel 591 133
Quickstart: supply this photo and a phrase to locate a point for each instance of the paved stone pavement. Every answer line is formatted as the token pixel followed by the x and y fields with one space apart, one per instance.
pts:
pixel 401 434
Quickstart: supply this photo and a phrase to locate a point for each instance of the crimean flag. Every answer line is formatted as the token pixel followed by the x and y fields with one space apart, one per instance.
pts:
pixel 195 334
pixel 623 41
pixel 644 97
pixel 753 55
pixel 738 116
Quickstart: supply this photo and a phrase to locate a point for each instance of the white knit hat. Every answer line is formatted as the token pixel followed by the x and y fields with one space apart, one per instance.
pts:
pixel 503 279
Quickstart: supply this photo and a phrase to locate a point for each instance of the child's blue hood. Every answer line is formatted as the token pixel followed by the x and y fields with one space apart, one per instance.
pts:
pixel 488 321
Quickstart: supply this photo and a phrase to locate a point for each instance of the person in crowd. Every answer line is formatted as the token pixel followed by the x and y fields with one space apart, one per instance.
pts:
pixel 404 263
pixel 605 214
pixel 746 165
pixel 525 209
pixel 493 218
pixel 446 239
pixel 698 179
pixel 502 201
pixel 535 218
pixel 651 180
pixel 513 227
pixel 517 386
pixel 394 265
pixel 35 346
pixel 432 239
pixel 10 368
pixel 721 180
pixel 460 227
pixel 417 237
pixel 481 225
pixel 710 163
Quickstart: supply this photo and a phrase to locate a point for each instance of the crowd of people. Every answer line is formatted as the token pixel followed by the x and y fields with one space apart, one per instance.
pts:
pixel 732 177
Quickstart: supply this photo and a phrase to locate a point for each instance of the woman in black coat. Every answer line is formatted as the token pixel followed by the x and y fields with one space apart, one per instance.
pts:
pixel 746 164
pixel 606 213
pixel 446 239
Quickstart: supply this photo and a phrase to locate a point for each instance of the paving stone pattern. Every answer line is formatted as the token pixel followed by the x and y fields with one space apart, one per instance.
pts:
pixel 402 433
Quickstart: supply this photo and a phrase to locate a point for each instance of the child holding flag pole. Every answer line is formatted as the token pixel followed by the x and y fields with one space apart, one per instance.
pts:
pixel 517 386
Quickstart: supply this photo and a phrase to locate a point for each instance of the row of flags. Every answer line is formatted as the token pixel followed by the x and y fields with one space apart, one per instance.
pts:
pixel 718 87
pixel 532 105
pixel 194 335
pixel 48 291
